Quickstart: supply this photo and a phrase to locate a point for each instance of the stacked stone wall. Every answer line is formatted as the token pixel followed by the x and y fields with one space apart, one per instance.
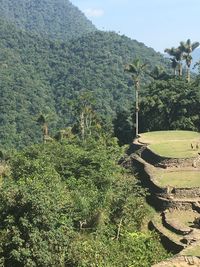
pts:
pixel 174 226
pixel 164 197
pixel 158 161
pixel 175 247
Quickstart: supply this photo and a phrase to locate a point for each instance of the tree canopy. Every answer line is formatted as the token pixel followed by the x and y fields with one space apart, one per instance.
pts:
pixel 39 76
pixel 55 19
pixel 62 205
pixel 176 102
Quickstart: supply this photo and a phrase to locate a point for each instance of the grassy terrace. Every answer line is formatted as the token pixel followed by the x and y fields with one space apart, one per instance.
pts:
pixel 184 218
pixel 180 179
pixel 173 236
pixel 173 144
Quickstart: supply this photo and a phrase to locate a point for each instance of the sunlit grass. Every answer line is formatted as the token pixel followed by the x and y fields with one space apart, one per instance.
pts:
pixel 173 144
pixel 180 179
pixel 184 218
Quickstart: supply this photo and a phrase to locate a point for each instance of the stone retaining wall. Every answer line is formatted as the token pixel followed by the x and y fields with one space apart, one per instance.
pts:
pixel 196 206
pixel 172 203
pixel 180 193
pixel 186 192
pixel 158 161
pixel 174 226
pixel 144 172
pixel 179 261
pixel 166 192
pixel 162 198
pixel 168 243
pixel 133 148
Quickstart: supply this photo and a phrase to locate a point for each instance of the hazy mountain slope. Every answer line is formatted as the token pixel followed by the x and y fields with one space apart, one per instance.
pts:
pixel 58 19
pixel 196 58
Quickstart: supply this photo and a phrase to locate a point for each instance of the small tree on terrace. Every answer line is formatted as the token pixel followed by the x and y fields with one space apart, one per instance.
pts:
pixel 84 113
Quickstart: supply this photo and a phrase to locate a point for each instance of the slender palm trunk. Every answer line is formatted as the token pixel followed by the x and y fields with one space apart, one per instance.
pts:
pixel 136 109
pixel 180 71
pixel 174 71
pixel 45 132
pixel 82 125
pixel 188 74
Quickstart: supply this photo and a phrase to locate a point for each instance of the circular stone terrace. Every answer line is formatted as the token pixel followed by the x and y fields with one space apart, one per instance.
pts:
pixel 183 178
pixel 175 145
pixel 172 144
pixel 173 171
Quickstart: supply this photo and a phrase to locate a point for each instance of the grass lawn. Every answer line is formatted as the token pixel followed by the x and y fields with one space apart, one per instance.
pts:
pixel 180 179
pixel 184 217
pixel 172 144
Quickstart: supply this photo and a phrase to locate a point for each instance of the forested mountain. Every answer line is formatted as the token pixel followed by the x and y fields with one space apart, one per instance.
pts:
pixel 58 19
pixel 96 63
pixel 42 76
pixel 68 202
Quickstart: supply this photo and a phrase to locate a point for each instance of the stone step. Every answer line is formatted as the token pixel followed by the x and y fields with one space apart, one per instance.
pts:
pixel 179 203
pixel 170 238
pixel 178 221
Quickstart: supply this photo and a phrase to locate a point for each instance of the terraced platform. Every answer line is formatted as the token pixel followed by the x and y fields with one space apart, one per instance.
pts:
pixel 168 164
pixel 182 144
pixel 186 178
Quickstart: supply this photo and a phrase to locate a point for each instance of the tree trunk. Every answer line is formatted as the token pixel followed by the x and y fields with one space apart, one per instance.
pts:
pixel 180 71
pixel 119 229
pixel 82 125
pixel 188 74
pixel 137 109
pixel 174 71
pixel 45 132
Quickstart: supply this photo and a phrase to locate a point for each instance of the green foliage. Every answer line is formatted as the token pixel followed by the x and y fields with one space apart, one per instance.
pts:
pixel 64 205
pixel 57 19
pixel 134 250
pixel 170 105
pixel 136 69
pixel 34 220
pixel 39 76
pixel 123 126
pixel 182 52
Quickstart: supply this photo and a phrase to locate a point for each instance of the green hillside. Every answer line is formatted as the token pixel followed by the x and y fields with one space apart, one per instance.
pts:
pixel 42 76
pixel 96 62
pixel 58 19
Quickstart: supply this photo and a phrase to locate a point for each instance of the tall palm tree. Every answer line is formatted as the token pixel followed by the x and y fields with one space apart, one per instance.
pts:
pixel 174 64
pixel 188 61
pixel 177 57
pixel 136 69
pixel 172 53
pixel 188 47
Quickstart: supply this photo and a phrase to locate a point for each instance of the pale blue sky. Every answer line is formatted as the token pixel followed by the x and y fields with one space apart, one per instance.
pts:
pixel 157 23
